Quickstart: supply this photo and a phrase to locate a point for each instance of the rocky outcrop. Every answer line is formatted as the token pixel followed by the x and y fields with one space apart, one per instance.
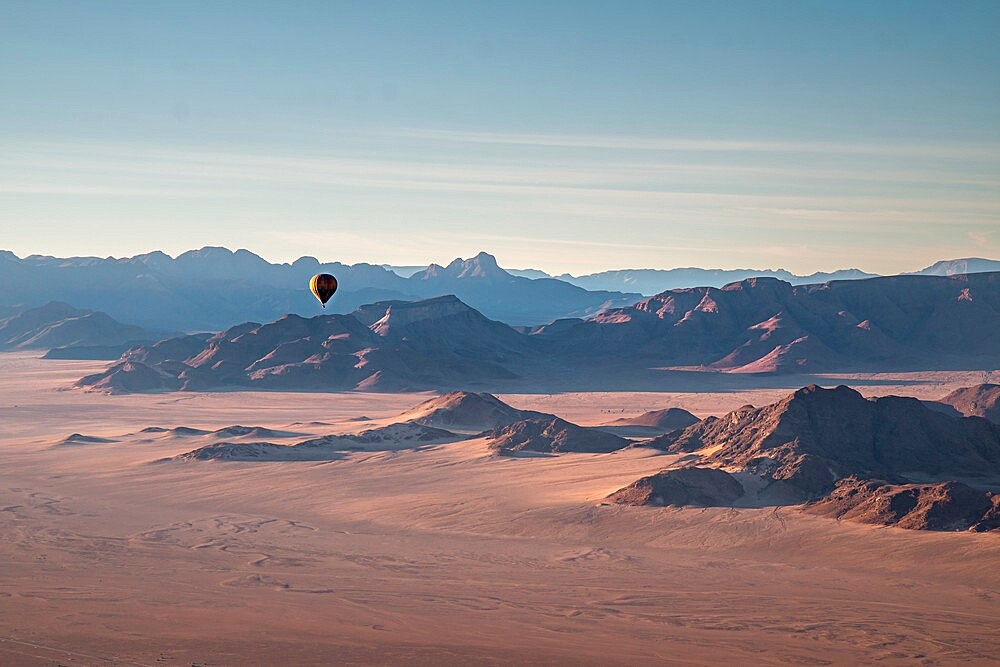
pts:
pixel 815 436
pixel 703 487
pixel 467 411
pixel 551 435
pixel 940 506
pixel 981 400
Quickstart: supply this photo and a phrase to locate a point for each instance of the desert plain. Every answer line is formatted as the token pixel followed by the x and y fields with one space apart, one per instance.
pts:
pixel 439 554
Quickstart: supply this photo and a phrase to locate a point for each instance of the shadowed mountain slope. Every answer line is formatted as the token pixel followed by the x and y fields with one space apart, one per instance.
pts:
pixel 815 436
pixel 940 506
pixel 982 400
pixel 387 346
pixel 764 325
pixel 755 326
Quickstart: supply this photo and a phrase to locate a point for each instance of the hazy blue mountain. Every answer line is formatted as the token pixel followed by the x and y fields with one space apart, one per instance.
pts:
pixel 654 281
pixel 70 332
pixel 213 288
pixel 951 267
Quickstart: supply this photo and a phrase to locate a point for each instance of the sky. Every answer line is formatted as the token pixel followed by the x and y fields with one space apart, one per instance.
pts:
pixel 565 136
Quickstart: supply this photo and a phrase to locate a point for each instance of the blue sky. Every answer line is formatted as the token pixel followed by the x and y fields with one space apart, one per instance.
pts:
pixel 567 136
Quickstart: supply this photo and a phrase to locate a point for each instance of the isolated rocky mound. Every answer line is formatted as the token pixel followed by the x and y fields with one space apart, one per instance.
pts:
pixel 325 448
pixel 941 506
pixel 814 437
pixel 667 419
pixel 238 431
pixel 129 377
pixel 981 400
pixel 406 434
pixel 179 431
pixel 704 487
pixel 81 439
pixel 248 451
pixel 551 435
pixel 467 411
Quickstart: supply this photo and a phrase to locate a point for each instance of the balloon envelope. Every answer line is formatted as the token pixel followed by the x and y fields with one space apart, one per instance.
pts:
pixel 323 285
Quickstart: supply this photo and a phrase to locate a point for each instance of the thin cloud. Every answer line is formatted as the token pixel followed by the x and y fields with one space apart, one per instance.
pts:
pixel 953 151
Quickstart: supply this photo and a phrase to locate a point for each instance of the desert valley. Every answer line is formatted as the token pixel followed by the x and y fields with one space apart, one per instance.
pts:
pixel 416 483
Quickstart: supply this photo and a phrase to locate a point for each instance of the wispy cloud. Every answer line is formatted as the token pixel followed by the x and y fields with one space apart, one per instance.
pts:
pixel 956 151
pixel 615 190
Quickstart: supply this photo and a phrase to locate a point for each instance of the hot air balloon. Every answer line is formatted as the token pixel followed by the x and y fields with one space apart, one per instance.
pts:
pixel 323 285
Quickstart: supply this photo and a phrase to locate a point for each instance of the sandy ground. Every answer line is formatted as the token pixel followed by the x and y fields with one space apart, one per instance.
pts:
pixel 442 555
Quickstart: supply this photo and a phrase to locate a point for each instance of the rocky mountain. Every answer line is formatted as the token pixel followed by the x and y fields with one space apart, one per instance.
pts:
pixel 940 506
pixel 389 346
pixel 888 461
pixel 981 400
pixel 702 487
pixel 815 437
pixel 551 435
pixel 754 326
pixel 467 411
pixel 70 333
pixel 952 267
pixel 214 288
pixel 481 283
pixel 764 325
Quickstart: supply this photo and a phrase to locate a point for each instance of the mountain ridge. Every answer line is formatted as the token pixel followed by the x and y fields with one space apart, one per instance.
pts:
pixel 760 325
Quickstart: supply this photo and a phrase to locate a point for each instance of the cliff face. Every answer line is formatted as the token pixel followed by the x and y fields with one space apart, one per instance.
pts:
pixel 816 436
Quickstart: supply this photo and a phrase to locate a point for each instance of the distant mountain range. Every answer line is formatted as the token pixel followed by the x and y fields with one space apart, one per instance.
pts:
pixel 759 325
pixel 214 288
pixel 653 281
pixel 70 333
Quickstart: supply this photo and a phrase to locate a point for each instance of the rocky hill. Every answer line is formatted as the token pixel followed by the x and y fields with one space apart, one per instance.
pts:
pixel 551 435
pixel 982 400
pixel 815 437
pixel 70 333
pixel 940 506
pixel 703 487
pixel 665 420
pixel 467 411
